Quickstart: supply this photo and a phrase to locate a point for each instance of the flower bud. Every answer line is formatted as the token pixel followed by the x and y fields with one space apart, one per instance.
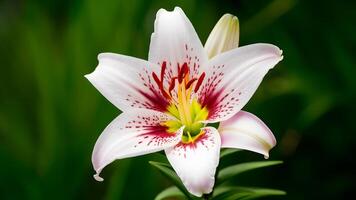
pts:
pixel 224 36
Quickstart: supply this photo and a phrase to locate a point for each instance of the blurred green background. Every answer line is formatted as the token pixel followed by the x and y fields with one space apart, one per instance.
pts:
pixel 51 116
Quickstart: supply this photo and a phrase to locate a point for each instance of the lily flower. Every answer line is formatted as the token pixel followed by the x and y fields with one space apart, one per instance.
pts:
pixel 169 101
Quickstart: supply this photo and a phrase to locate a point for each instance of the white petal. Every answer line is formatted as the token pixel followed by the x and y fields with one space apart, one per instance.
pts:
pixel 127 82
pixel 234 77
pixel 133 133
pixel 224 36
pixel 196 163
pixel 175 41
pixel 246 131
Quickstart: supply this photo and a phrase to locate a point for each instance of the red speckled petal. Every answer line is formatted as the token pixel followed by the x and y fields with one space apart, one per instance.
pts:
pixel 127 82
pixel 195 163
pixel 233 77
pixel 133 133
pixel 175 41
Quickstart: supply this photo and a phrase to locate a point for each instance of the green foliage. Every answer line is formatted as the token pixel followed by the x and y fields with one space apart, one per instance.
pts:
pixel 170 192
pixel 226 152
pixel 222 192
pixel 231 171
pixel 243 193
pixel 167 170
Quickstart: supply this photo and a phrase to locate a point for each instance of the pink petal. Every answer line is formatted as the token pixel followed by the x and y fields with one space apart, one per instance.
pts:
pixel 246 131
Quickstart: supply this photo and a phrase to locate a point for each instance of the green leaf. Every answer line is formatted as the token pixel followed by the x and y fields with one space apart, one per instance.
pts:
pixel 226 152
pixel 234 170
pixel 170 192
pixel 167 170
pixel 224 192
pixel 243 193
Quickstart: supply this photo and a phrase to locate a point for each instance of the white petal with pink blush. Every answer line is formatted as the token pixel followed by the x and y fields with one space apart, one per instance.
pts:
pixel 246 131
pixel 195 163
pixel 168 101
pixel 133 133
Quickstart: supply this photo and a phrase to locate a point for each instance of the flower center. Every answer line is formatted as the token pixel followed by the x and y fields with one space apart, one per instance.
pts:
pixel 190 114
pixel 186 109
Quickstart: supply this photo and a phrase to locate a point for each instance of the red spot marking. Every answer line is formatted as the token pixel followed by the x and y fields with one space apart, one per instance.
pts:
pixel 158 135
pixel 156 101
pixel 200 81
pixel 211 101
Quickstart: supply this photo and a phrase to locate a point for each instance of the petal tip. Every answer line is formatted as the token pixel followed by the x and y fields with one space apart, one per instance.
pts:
pixel 98 178
pixel 164 11
pixel 280 53
pixel 177 8
pixel 160 11
pixel 281 56
pixel 229 16
pixel 109 55
pixel 87 76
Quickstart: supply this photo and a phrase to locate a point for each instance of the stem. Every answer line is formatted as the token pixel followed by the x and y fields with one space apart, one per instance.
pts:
pixel 206 196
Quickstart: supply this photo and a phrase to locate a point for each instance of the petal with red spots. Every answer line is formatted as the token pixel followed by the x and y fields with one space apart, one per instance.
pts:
pixel 233 77
pixel 176 44
pixel 133 133
pixel 127 82
pixel 195 163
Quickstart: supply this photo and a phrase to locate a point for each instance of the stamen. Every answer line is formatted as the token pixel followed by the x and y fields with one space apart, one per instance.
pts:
pixel 200 81
pixel 172 84
pixel 165 94
pixel 160 85
pixel 190 83
pixel 155 77
pixel 164 66
pixel 183 71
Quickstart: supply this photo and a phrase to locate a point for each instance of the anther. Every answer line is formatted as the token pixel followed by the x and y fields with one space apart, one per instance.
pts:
pixel 155 77
pixel 200 81
pixel 172 84
pixel 190 83
pixel 164 66
pixel 182 72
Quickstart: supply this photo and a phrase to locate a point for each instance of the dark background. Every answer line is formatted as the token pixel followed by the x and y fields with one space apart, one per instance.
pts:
pixel 51 116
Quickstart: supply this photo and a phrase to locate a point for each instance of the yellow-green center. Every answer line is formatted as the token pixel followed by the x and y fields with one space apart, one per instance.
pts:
pixel 187 114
